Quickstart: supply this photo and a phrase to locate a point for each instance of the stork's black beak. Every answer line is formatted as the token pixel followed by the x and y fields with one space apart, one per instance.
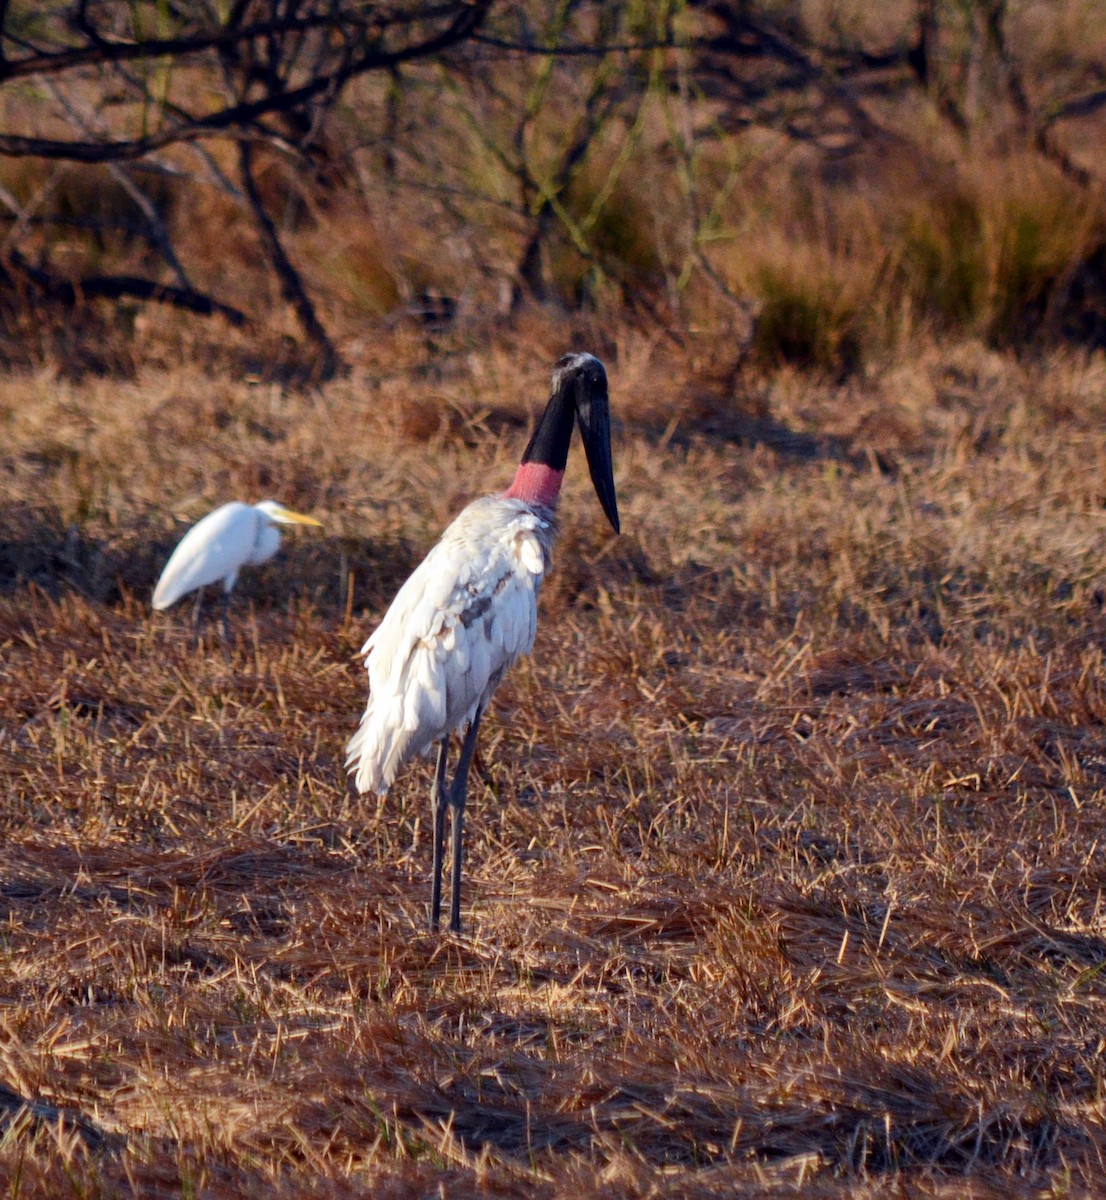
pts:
pixel 593 415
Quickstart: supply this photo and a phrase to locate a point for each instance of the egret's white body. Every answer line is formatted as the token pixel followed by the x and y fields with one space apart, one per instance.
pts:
pixel 217 547
pixel 468 612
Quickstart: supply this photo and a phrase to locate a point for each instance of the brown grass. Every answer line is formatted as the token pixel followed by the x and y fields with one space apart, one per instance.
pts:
pixel 785 867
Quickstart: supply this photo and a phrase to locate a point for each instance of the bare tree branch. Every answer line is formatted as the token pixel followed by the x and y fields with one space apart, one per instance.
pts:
pixel 156 230
pixel 1080 106
pixel 117 287
pixel 285 63
pixel 329 361
pixel 466 20
pixel 102 51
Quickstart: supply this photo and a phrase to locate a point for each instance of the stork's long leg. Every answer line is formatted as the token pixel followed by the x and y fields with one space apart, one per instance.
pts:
pixel 437 811
pixel 458 794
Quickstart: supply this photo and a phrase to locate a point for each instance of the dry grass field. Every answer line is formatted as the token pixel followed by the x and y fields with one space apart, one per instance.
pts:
pixel 785 859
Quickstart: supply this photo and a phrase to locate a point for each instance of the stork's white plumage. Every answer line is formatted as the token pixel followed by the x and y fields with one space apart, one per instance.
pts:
pixel 469 611
pixel 217 547
pixel 459 622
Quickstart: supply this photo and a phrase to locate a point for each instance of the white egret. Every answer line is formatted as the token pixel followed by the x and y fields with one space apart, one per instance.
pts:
pixel 217 547
pixel 469 612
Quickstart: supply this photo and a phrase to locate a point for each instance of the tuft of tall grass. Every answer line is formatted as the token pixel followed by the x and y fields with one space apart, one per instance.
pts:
pixel 806 319
pixel 986 252
pixel 848 271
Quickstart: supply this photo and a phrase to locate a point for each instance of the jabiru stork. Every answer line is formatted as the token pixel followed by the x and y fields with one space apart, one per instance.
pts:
pixel 469 611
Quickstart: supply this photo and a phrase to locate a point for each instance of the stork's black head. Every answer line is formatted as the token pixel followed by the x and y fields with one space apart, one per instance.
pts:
pixel 581 379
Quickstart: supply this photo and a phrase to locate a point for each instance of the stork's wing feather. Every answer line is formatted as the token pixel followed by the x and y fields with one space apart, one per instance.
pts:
pixel 465 615
pixel 213 549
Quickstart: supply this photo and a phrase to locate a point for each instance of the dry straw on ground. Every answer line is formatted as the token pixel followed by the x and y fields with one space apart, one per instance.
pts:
pixel 786 845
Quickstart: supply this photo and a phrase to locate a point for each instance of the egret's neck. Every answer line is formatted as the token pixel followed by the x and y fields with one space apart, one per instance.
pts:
pixel 536 483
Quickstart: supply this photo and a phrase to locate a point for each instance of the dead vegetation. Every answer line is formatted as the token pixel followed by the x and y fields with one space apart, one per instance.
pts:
pixel 785 866
pixel 822 185
pixel 785 848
